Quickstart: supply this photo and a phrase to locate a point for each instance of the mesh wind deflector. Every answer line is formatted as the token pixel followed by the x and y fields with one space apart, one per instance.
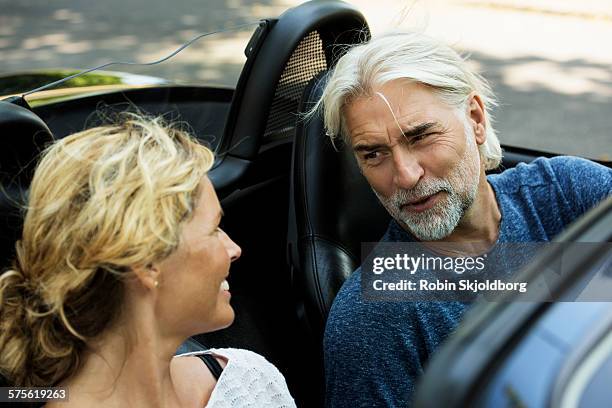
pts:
pixel 307 60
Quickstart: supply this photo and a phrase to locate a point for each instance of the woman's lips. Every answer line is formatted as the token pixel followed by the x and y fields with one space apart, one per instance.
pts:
pixel 422 205
pixel 224 287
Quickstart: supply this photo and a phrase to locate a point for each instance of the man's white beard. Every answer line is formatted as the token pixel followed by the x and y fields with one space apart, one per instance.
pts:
pixel 440 221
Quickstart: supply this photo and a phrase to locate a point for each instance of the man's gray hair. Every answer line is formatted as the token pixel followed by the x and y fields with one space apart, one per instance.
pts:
pixel 415 57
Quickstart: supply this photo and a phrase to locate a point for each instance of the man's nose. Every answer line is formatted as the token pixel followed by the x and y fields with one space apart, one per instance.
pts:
pixel 407 169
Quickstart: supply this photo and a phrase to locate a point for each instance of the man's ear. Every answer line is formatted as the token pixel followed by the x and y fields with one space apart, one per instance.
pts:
pixel 148 276
pixel 476 114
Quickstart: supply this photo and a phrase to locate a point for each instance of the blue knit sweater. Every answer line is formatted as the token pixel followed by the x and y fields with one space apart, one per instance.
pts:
pixel 375 351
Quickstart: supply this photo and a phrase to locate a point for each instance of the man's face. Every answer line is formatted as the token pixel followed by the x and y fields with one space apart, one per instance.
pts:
pixel 418 154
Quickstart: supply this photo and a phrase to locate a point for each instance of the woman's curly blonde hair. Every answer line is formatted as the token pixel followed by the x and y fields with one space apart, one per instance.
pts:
pixel 101 202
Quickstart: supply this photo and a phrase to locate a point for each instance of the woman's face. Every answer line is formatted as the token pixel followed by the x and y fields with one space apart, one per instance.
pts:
pixel 193 291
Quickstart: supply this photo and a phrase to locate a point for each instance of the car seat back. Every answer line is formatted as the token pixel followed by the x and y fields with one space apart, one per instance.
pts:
pixel 332 211
pixel 23 135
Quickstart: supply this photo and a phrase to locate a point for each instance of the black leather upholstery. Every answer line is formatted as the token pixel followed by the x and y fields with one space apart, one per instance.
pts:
pixel 332 211
pixel 22 137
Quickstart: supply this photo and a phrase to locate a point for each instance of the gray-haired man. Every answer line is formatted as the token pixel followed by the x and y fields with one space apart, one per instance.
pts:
pixel 418 121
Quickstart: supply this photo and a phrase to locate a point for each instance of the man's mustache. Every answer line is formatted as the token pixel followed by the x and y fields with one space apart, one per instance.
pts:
pixel 420 192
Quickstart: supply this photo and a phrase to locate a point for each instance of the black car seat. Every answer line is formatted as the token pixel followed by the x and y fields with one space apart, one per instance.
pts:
pixel 332 211
pixel 23 135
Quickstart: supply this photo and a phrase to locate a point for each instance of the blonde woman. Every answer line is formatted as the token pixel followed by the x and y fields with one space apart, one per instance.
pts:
pixel 121 260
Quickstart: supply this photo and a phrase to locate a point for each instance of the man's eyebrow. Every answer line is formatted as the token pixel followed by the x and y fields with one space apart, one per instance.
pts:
pixel 407 133
pixel 418 129
pixel 363 147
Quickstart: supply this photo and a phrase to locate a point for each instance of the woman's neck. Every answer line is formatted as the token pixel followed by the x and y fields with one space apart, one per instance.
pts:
pixel 129 365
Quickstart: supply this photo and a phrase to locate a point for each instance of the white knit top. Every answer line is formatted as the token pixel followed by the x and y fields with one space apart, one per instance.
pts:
pixel 248 380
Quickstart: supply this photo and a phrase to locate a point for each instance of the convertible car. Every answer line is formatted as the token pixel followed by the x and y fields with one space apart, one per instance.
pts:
pixel 300 210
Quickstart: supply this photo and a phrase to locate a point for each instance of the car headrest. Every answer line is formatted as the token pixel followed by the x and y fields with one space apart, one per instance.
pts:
pixel 338 201
pixel 283 56
pixel 332 211
pixel 23 135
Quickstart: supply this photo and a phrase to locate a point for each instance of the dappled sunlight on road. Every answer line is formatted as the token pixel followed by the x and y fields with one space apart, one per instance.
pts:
pixel 559 48
pixel 68 16
pixel 75 36
pixel 559 78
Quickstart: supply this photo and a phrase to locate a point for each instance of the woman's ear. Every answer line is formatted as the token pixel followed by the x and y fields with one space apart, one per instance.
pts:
pixel 148 276
pixel 477 115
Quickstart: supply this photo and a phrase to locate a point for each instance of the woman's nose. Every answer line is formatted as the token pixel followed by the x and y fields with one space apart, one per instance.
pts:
pixel 233 250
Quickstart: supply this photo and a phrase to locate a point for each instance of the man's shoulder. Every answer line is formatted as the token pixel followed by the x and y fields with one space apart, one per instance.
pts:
pixel 536 173
pixel 564 170
pixel 568 169
pixel 350 290
pixel 546 195
pixel 576 172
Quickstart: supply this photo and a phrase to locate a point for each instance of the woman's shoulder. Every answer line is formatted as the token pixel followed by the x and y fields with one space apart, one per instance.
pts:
pixel 248 379
pixel 234 357
pixel 193 381
pixel 240 356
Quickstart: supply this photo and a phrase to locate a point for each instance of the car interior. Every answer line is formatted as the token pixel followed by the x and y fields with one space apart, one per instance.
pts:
pixel 296 204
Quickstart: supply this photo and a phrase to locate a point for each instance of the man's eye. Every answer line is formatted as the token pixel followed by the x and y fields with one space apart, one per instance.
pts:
pixel 418 138
pixel 371 155
pixel 372 158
